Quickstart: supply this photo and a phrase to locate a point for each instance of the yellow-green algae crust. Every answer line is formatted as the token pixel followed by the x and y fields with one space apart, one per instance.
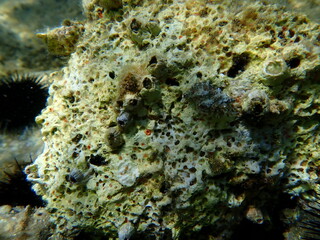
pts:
pixel 170 108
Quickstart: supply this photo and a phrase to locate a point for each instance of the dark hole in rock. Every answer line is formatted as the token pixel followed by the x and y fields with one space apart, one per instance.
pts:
pixel 293 62
pixel 147 83
pixel 164 187
pixel 223 23
pixel 133 102
pixel 97 160
pixel 239 64
pixel 77 138
pixel 281 35
pixel 112 124
pixel 199 75
pixel 291 33
pixel 112 75
pixel 120 103
pixel 71 99
pixel 153 60
pixel 135 25
pixel 189 149
pixel 297 39
pixel 172 82
pixel 257 109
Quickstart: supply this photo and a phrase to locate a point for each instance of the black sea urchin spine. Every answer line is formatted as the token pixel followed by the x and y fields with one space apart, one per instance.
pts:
pixel 311 219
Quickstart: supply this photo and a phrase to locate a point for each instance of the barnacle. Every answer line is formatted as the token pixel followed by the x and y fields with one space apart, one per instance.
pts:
pixel 114 136
pixel 123 119
pixel 275 71
pixel 130 102
pixel 148 83
pixel 141 31
pixel 274 67
pixel 256 103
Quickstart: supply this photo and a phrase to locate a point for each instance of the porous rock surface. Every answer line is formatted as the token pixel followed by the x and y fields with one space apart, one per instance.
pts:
pixel 175 115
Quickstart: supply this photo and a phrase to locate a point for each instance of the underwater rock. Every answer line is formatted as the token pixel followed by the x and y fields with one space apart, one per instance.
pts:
pixel 24 223
pixel 61 41
pixel 171 170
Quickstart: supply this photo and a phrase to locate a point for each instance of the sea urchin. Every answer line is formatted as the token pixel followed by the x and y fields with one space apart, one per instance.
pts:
pixel 22 97
pixel 15 190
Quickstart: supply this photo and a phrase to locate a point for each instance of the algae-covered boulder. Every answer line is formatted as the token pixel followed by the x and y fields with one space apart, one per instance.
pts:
pixel 172 116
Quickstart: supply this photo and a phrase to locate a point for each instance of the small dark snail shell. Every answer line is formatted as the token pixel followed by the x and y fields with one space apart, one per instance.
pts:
pixel 77 176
